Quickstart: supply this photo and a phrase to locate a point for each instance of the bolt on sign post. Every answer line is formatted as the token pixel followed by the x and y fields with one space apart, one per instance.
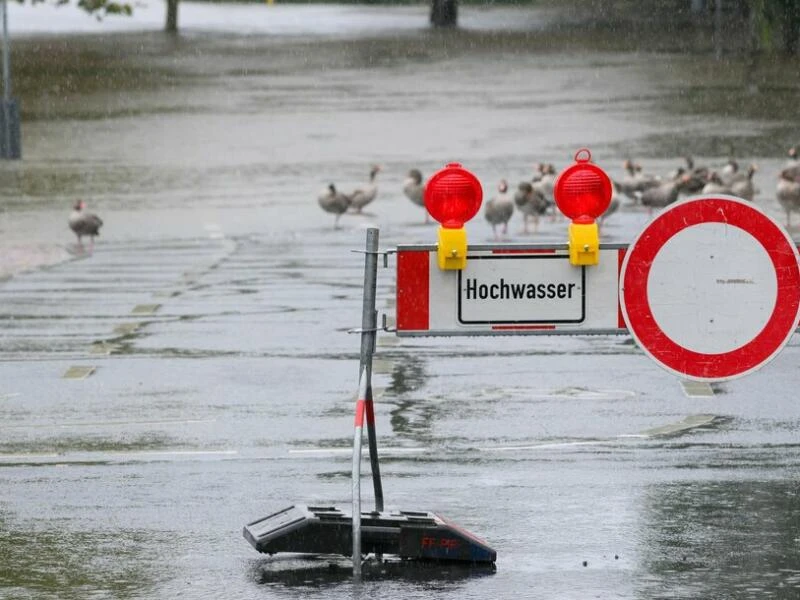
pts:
pixel 453 196
pixel 583 192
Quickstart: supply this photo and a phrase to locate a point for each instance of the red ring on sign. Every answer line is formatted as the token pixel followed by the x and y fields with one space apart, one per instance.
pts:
pixel 639 315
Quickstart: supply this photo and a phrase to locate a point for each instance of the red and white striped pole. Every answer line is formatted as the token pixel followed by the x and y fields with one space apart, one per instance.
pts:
pixel 364 404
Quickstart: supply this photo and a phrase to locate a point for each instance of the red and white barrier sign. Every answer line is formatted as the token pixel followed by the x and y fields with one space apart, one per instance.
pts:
pixel 507 289
pixel 710 289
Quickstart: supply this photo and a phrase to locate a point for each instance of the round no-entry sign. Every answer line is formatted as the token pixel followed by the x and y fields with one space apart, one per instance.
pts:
pixel 710 289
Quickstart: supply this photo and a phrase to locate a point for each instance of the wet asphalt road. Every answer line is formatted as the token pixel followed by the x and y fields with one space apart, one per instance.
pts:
pixel 223 390
pixel 195 372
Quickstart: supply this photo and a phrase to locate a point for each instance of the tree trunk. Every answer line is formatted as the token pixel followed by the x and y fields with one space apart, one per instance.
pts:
pixel 444 13
pixel 791 26
pixel 172 16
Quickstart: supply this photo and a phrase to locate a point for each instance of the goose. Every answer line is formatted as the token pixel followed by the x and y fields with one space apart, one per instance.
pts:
pixel 742 184
pixel 414 189
pixel 365 194
pixel 715 185
pixel 793 164
pixel 635 182
pixel 788 193
pixel 627 185
pixel 84 223
pixel 665 194
pixel 531 203
pixel 613 205
pixel 538 171
pixel 545 186
pixel 333 201
pixel 499 208
pixel 698 177
pixel 729 172
pixel 793 160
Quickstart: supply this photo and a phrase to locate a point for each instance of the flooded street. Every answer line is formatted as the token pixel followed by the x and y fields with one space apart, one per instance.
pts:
pixel 196 373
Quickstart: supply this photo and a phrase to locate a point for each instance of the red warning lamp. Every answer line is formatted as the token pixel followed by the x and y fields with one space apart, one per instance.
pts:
pixel 453 196
pixel 583 192
pixel 583 189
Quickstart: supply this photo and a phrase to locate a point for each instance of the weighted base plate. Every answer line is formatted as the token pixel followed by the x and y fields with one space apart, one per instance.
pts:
pixel 327 530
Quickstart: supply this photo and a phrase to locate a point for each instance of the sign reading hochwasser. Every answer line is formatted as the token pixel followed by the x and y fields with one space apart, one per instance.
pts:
pixel 507 289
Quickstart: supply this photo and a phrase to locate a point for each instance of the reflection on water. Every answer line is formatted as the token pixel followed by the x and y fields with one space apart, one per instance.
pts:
pixel 331 571
pixel 408 373
pixel 412 416
pixel 722 539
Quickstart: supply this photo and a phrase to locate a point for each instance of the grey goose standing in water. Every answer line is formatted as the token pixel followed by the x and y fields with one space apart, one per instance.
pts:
pixel 635 181
pixel 366 193
pixel 84 223
pixel 742 183
pixel 333 201
pixel 665 193
pixel 499 209
pixel 788 193
pixel 613 204
pixel 531 203
pixel 793 164
pixel 414 190
pixel 716 185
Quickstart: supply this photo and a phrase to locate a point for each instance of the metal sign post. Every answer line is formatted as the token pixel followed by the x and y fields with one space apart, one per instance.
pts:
pixel 9 116
pixel 364 404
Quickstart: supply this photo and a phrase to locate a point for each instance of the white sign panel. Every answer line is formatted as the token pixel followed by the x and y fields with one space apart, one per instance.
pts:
pixel 508 289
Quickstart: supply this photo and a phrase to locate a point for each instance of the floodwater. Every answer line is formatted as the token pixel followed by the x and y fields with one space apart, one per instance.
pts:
pixel 211 322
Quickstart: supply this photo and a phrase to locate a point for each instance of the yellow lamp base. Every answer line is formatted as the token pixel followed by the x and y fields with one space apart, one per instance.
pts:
pixel 584 244
pixel 452 249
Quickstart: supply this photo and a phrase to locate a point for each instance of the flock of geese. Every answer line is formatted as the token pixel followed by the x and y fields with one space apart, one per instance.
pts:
pixel 533 198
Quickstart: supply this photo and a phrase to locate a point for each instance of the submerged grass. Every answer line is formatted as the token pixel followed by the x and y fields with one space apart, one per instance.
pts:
pixel 54 76
pixel 50 561
pixel 66 444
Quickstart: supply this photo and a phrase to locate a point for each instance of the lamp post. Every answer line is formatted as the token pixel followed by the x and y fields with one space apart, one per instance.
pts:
pixel 9 116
